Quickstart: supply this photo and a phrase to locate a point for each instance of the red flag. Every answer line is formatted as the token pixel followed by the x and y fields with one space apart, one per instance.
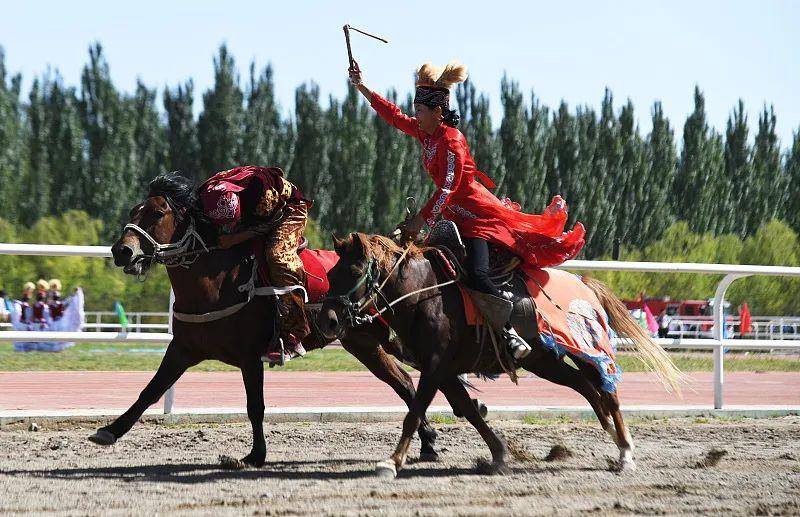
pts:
pixel 652 324
pixel 745 322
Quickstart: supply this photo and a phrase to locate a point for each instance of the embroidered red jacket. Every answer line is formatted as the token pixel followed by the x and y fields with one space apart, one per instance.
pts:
pixel 462 196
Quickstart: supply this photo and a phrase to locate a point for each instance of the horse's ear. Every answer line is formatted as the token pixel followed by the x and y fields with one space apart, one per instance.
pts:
pixel 361 243
pixel 338 243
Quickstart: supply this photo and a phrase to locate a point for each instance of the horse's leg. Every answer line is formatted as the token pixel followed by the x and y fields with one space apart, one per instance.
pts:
pixel 458 397
pixel 253 377
pixel 549 367
pixel 174 363
pixel 429 383
pixel 624 441
pixel 385 368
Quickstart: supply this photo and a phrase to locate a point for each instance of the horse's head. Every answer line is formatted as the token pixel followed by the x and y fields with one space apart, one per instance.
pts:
pixel 364 264
pixel 157 221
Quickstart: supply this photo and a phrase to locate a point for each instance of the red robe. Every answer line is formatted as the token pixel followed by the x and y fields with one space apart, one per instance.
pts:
pixel 539 240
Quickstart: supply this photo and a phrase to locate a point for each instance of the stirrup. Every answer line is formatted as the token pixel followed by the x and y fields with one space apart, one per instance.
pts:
pixel 519 347
pixel 277 357
pixel 282 356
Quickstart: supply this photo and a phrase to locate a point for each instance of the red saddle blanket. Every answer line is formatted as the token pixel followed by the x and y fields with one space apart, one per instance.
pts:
pixel 316 263
pixel 570 320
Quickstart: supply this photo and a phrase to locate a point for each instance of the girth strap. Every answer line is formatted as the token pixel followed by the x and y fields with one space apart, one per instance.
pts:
pixel 252 292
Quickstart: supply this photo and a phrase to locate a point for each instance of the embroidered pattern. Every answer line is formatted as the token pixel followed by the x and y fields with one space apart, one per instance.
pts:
pixel 460 210
pixel 446 188
pixel 584 325
pixel 267 203
pixel 428 151
pixel 227 206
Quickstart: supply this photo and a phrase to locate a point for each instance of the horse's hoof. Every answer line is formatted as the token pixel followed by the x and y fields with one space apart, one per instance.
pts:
pixel 626 465
pixel 482 409
pixel 254 460
pixel 386 469
pixel 428 456
pixel 103 437
pixel 492 468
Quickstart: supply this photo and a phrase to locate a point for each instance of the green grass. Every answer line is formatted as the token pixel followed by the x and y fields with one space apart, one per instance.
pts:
pixel 125 357
pixel 442 419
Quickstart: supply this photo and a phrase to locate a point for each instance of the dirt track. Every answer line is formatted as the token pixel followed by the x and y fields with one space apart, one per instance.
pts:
pixel 328 469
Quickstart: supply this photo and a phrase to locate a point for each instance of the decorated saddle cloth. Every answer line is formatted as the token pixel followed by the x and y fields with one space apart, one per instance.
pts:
pixel 570 320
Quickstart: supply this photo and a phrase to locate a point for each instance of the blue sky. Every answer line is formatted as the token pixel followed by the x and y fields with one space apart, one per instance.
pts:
pixel 563 50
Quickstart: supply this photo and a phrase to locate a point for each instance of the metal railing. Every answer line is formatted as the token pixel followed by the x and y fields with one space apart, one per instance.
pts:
pixel 717 343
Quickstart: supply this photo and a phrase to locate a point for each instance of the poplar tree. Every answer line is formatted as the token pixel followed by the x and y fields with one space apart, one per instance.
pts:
pixel 265 140
pixel 183 148
pixel 34 201
pixel 632 208
pixel 514 143
pixel 662 163
pixel 352 162
pixel 220 126
pixel 738 173
pixel 699 171
pixel 392 153
pixel 769 193
pixel 791 169
pixel 149 139
pixel 608 166
pixel 108 140
pixel 310 162
pixel 65 147
pixel 12 142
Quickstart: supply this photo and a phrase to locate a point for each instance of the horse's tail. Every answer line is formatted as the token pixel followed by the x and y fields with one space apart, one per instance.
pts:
pixel 648 351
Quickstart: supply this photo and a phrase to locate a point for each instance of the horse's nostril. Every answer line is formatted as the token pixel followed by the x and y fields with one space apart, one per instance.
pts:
pixel 123 255
pixel 328 320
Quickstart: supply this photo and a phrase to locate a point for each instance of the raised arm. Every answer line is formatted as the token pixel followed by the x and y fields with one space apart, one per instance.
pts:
pixel 387 110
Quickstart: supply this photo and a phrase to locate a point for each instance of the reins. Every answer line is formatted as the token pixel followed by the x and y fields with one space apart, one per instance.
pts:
pixel 375 291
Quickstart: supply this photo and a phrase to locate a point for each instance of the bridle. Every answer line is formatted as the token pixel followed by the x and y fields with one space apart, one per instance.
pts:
pixel 353 309
pixel 183 253
pixel 370 277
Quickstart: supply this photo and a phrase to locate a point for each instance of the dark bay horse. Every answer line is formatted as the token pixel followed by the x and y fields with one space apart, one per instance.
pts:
pixel 167 227
pixel 429 318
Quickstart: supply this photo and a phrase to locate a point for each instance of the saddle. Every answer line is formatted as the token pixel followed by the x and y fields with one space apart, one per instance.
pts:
pixel 519 309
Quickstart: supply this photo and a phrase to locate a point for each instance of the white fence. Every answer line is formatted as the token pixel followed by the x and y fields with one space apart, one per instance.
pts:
pixel 97 321
pixel 716 343
pixel 763 327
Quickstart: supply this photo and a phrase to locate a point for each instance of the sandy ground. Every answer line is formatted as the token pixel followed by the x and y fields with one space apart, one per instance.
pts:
pixel 327 469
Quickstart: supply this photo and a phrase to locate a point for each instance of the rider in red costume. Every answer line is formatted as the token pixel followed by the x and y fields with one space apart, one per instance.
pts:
pixel 463 195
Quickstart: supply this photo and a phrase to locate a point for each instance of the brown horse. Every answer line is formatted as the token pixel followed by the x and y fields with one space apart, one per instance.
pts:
pixel 429 317
pixel 220 321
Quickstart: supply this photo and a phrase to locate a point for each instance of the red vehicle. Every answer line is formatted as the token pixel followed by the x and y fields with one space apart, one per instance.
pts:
pixel 673 307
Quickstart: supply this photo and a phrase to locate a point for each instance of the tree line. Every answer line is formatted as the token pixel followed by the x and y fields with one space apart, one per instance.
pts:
pixel 93 148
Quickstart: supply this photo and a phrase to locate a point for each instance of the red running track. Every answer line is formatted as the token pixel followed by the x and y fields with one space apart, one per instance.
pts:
pixel 117 390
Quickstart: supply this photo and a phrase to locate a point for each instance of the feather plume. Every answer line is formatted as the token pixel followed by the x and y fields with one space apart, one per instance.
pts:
pixel 453 73
pixel 427 74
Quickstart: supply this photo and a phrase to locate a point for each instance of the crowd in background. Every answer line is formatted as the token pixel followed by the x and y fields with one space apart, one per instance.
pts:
pixel 42 308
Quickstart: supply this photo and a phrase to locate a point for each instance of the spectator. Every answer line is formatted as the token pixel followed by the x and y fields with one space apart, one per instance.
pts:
pixel 5 306
pixel 664 320
pixel 25 303
pixel 54 300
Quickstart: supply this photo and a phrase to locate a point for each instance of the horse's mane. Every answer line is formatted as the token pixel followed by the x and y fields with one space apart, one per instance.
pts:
pixel 383 249
pixel 179 191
